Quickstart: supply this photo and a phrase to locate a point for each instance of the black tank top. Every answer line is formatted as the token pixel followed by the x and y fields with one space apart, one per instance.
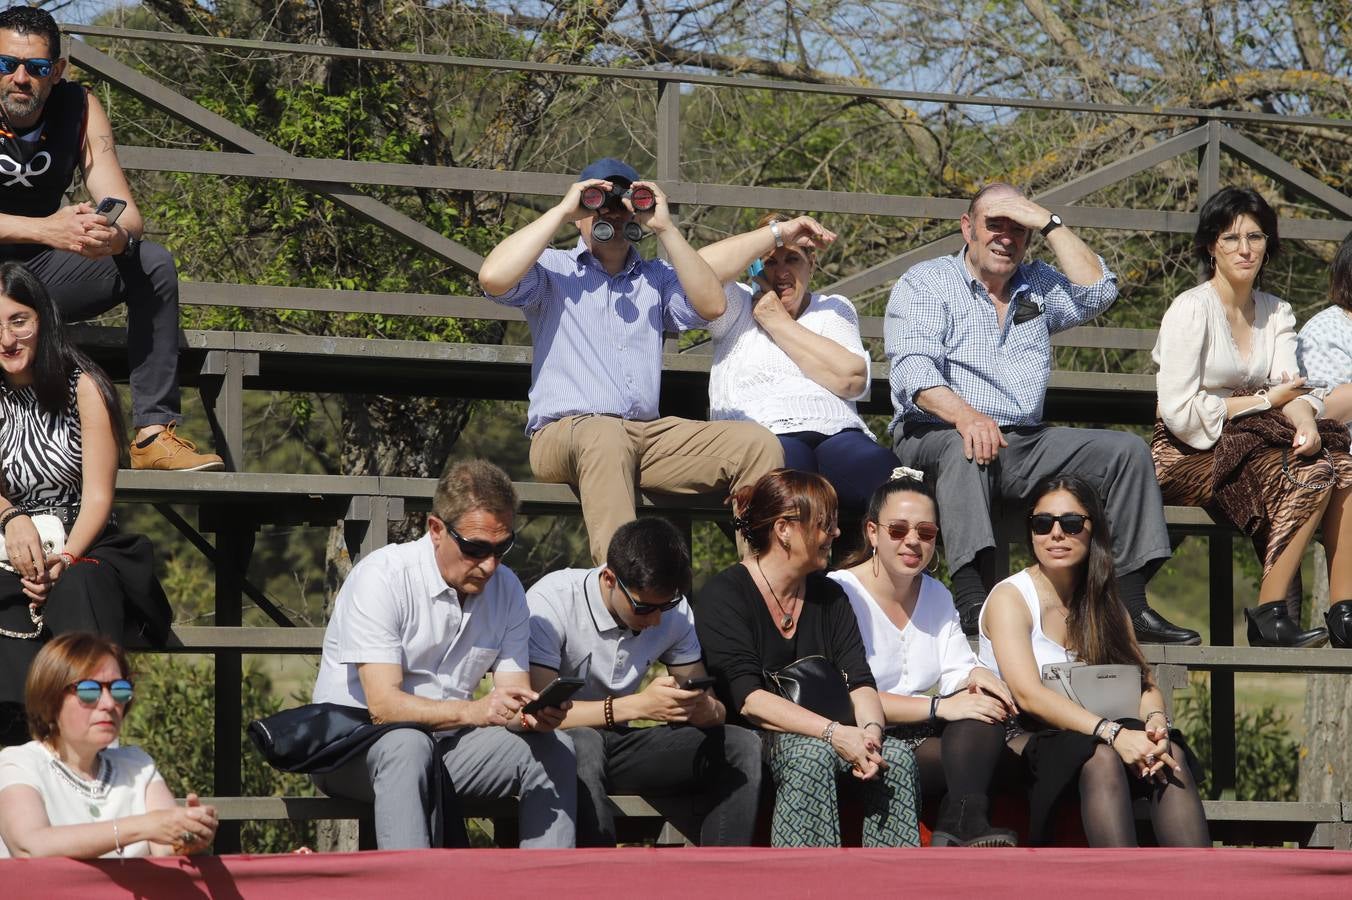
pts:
pixel 34 175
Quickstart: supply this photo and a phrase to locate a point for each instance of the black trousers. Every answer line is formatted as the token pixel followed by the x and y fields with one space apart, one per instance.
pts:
pixel 148 284
pixel 723 763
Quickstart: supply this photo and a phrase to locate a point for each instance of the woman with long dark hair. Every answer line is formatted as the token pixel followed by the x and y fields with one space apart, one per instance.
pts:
pixel 1062 608
pixel 915 645
pixel 776 608
pixel 59 436
pixel 1239 431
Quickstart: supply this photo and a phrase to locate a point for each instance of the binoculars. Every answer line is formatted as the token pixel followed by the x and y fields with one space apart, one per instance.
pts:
pixel 641 198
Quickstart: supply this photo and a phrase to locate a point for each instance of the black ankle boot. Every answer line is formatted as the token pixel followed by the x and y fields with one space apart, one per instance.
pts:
pixel 1153 628
pixel 963 823
pixel 1270 625
pixel 1339 620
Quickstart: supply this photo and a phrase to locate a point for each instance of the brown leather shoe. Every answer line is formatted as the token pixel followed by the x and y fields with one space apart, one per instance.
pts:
pixel 170 452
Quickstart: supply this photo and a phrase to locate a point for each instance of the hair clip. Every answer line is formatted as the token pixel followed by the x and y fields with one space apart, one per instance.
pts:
pixel 906 473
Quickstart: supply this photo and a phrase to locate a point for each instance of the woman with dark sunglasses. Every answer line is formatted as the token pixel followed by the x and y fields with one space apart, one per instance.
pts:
pixel 915 645
pixel 776 608
pixel 1065 607
pixel 69 792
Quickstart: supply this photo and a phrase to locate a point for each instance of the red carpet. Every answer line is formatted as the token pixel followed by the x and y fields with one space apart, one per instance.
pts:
pixel 696 874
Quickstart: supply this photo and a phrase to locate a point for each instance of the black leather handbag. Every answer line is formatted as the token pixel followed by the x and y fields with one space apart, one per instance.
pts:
pixel 317 737
pixel 814 683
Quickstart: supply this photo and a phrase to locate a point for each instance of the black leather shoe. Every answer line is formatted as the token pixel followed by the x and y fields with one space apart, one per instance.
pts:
pixel 1153 628
pixel 1270 625
pixel 1339 620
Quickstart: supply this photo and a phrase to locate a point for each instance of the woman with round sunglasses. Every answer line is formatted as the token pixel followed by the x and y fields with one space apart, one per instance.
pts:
pixel 59 421
pixel 69 791
pixel 1065 607
pixel 1239 430
pixel 915 646
pixel 775 608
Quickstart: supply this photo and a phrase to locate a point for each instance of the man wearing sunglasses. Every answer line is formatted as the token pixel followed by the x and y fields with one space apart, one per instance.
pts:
pixel 968 341
pixel 597 313
pixel 415 629
pixel 609 625
pixel 48 128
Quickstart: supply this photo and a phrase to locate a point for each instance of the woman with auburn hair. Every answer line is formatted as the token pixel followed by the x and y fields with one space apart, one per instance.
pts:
pixel 1064 608
pixel 69 792
pixel 915 645
pixel 1239 431
pixel 792 359
pixel 775 609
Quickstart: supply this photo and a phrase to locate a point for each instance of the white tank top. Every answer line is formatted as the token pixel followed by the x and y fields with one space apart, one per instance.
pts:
pixel 1045 650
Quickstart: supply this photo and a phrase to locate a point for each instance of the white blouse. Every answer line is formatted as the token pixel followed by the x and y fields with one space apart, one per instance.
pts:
pixel 120 790
pixel 930 650
pixel 753 379
pixel 1200 364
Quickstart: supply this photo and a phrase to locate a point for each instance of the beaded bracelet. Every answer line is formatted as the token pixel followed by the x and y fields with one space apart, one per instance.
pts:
pixel 609 707
pixel 10 515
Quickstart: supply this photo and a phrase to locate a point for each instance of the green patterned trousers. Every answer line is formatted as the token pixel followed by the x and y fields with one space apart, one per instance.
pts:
pixel 807 811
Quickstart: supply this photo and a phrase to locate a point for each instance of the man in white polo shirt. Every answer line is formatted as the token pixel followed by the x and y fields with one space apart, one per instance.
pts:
pixel 414 630
pixel 608 625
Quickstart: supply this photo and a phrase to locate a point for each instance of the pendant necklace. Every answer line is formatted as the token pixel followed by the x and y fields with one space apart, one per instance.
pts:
pixel 787 621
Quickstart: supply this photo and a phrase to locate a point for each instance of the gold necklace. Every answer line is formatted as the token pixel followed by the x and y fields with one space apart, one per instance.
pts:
pixel 787 621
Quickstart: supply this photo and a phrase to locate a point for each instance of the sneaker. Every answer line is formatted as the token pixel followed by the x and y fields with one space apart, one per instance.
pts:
pixel 170 452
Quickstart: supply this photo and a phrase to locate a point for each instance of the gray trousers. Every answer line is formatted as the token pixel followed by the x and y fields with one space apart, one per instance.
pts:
pixel 1118 464
pixel 396 775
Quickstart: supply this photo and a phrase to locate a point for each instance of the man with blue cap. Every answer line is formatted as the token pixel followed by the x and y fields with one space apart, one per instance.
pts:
pixel 597 313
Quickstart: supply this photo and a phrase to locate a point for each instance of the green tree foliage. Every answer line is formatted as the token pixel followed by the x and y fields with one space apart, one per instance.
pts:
pixel 1267 759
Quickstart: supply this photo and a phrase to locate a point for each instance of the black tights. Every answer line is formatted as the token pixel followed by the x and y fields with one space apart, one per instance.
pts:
pixel 962 760
pixel 1107 789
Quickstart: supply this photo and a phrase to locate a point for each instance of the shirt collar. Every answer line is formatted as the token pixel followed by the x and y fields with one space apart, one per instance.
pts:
pixel 586 257
pixel 602 617
pixel 1018 282
pixel 433 583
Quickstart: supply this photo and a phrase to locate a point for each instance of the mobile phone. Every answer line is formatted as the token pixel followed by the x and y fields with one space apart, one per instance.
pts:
pixel 110 208
pixel 700 683
pixel 755 270
pixel 1311 383
pixel 555 694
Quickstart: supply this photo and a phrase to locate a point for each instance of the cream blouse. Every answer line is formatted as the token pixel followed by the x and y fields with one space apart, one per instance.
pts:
pixel 1200 364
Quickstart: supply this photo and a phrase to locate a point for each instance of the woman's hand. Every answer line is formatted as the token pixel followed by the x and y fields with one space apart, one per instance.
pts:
pixel 806 231
pixel 971 704
pixel 1164 753
pixel 769 310
pixel 987 681
pixel 1286 390
pixel 1143 755
pixel 187 829
pixel 1307 441
pixel 862 750
pixel 24 546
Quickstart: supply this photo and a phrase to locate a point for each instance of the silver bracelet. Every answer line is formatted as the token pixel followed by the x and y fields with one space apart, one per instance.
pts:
pixel 829 730
pixel 117 839
pixel 779 237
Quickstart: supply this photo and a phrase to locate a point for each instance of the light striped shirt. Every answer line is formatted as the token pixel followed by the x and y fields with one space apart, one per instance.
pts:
pixel 941 330
pixel 753 379
pixel 597 336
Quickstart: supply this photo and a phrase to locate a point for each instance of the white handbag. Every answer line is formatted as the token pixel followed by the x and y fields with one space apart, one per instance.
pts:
pixel 51 531
pixel 1110 691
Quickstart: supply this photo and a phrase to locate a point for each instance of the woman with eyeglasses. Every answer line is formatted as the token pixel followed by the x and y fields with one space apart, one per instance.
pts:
pixel 1065 607
pixel 59 421
pixel 1239 431
pixel 69 791
pixel 915 645
pixel 774 609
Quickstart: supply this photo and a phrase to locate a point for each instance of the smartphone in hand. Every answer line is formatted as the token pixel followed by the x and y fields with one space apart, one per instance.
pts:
pixel 110 208
pixel 701 683
pixel 555 694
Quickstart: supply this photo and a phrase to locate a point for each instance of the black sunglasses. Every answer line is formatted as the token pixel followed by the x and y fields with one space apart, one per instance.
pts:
pixel 480 549
pixel 37 66
pixel 1071 523
pixel 646 609
pixel 88 690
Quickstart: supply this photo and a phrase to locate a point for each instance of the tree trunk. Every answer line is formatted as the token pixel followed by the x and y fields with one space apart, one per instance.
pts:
pixel 1326 753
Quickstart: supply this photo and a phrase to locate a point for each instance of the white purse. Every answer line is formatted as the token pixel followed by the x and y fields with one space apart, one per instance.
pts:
pixel 51 531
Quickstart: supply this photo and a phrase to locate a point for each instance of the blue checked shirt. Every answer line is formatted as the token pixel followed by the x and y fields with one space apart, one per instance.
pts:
pixel 597 336
pixel 941 331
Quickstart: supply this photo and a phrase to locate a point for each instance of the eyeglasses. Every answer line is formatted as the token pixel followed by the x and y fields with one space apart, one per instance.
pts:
pixel 897 531
pixel 1230 242
pixel 37 66
pixel 23 327
pixel 827 525
pixel 88 691
pixel 480 549
pixel 1071 523
pixel 646 609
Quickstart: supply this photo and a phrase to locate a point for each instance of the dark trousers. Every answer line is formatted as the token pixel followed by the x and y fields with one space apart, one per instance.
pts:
pixel 724 763
pixel 148 284
pixel 852 461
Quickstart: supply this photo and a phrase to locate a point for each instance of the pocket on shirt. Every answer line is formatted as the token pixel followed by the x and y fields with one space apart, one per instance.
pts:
pixel 476 664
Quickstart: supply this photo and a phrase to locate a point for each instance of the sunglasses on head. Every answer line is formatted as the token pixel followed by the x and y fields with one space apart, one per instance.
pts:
pixel 897 531
pixel 88 691
pixel 37 67
pixel 475 549
pixel 1071 523
pixel 646 609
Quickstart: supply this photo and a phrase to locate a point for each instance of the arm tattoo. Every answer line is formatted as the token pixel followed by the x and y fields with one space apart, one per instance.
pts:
pixel 105 143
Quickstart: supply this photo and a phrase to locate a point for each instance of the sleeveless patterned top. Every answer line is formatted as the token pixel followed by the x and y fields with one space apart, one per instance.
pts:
pixel 40 453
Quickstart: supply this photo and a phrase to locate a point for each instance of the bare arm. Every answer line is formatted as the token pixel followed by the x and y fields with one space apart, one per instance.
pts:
pixel 702 288
pixel 98 467
pixel 103 177
pixel 511 259
pixel 730 256
pixel 1073 257
pixel 821 359
pixel 981 436
pixel 388 702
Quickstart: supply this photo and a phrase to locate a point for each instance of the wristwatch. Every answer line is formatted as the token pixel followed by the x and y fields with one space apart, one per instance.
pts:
pixel 779 237
pixel 1052 224
pixel 133 244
